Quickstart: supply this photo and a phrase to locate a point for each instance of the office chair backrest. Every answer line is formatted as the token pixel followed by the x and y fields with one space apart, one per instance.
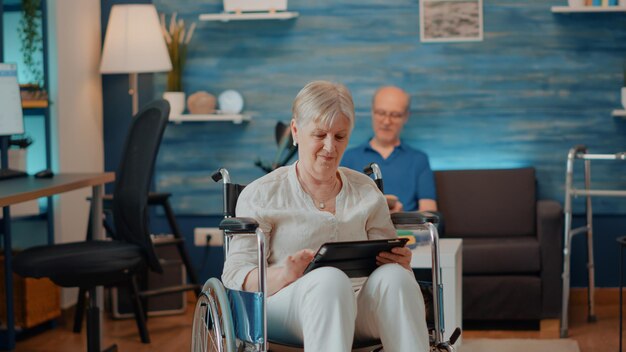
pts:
pixel 134 175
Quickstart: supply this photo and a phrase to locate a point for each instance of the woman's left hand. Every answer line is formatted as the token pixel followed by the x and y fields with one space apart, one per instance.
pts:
pixel 400 255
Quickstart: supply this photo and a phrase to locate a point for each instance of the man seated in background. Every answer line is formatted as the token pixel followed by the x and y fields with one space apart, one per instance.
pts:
pixel 408 179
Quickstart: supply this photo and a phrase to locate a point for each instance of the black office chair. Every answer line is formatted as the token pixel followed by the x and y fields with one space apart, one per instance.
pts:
pixel 154 199
pixel 105 263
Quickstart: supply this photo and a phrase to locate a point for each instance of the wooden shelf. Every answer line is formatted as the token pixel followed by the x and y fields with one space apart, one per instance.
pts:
pixel 34 104
pixel 234 118
pixel 618 113
pixel 247 16
pixel 587 9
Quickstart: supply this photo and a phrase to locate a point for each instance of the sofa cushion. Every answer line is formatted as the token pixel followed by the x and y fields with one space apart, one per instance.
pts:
pixel 487 202
pixel 501 255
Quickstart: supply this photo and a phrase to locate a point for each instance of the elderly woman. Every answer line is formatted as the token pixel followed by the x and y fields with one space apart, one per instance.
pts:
pixel 302 206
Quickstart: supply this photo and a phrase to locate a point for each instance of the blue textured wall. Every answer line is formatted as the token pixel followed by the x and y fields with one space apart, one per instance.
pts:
pixel 538 84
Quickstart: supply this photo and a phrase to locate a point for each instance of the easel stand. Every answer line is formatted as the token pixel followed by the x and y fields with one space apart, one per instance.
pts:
pixel 580 152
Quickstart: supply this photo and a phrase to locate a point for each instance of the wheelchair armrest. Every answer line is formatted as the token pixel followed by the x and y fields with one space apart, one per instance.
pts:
pixel 239 225
pixel 414 218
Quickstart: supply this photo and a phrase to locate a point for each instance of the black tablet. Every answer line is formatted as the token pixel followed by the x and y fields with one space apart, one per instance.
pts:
pixel 355 258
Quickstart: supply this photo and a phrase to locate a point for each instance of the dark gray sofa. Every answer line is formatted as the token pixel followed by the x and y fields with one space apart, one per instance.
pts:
pixel 512 243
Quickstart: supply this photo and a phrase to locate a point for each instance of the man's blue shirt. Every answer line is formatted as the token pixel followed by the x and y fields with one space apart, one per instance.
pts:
pixel 406 172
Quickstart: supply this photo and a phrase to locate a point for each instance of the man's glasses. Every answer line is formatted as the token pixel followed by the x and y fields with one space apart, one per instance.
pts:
pixel 393 115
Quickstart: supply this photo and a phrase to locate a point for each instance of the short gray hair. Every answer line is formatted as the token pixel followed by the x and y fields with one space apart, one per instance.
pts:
pixel 407 95
pixel 323 102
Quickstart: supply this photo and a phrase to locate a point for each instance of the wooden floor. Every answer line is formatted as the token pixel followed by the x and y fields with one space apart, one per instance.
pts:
pixel 173 333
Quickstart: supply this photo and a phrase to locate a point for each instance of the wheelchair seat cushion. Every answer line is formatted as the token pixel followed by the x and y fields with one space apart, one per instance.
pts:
pixel 501 255
pixel 80 264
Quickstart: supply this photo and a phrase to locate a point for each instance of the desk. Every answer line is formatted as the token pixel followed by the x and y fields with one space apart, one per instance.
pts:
pixel 451 262
pixel 19 190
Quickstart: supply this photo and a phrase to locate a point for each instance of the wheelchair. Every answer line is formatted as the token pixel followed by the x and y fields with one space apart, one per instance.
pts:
pixel 231 320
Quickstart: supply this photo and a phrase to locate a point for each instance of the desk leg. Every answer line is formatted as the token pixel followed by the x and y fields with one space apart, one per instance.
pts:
pixel 96 213
pixel 98 234
pixel 50 217
pixel 7 337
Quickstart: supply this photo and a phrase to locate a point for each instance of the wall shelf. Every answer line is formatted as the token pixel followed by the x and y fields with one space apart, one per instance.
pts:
pixel 225 17
pixel 34 104
pixel 234 118
pixel 587 9
pixel 618 113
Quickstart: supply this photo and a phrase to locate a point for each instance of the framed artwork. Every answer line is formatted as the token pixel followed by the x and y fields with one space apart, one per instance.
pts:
pixel 451 20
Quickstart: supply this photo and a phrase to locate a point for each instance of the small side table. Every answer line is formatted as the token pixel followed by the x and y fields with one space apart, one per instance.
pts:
pixel 451 255
pixel 622 244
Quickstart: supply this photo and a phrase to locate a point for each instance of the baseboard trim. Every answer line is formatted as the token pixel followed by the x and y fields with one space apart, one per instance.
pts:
pixel 549 328
pixel 603 296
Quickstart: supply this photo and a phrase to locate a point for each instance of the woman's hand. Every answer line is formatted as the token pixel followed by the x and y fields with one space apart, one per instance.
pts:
pixel 295 265
pixel 400 255
pixel 280 276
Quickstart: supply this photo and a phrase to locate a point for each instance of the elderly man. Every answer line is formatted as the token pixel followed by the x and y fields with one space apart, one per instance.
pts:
pixel 406 171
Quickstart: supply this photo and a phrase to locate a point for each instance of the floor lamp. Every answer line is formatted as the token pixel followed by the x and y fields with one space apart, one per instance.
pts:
pixel 134 44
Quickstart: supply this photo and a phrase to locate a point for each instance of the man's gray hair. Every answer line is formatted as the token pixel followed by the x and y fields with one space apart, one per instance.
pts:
pixel 408 96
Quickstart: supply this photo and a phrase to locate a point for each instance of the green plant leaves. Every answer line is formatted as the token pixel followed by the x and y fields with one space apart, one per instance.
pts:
pixel 32 42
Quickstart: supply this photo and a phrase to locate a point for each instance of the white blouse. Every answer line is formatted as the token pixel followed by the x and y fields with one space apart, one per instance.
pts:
pixel 291 222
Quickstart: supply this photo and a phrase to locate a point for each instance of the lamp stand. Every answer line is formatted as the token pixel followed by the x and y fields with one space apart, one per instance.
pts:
pixel 132 90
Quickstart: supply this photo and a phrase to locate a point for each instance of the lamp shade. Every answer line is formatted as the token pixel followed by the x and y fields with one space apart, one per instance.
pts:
pixel 134 42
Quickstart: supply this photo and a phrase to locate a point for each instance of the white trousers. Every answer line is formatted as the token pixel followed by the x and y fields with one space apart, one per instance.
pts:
pixel 322 310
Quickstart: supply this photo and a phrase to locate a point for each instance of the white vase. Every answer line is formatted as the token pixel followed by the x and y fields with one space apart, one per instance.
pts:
pixel 177 102
pixel 624 97
pixel 576 3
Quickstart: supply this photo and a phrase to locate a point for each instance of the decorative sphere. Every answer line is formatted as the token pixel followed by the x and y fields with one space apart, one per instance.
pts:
pixel 201 103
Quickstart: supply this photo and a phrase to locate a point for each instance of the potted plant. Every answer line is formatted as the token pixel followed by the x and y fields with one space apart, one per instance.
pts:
pixel 177 37
pixel 29 31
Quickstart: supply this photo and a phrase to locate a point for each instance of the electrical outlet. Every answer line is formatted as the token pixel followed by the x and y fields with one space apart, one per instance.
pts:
pixel 201 237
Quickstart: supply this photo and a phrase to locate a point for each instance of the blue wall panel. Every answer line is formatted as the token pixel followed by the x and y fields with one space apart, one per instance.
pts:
pixel 537 85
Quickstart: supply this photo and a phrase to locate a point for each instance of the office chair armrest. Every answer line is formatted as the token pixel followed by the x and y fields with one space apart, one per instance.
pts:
pixel 414 218
pixel 158 197
pixel 239 225
pixel 154 198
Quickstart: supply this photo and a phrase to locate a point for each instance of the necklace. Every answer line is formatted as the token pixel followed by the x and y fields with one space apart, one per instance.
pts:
pixel 321 204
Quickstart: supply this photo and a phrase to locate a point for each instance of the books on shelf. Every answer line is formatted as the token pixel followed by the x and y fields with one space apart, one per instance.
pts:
pixel 598 3
pixel 602 3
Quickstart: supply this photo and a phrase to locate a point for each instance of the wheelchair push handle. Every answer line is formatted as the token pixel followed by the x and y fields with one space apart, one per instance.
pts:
pixel 221 174
pixel 373 168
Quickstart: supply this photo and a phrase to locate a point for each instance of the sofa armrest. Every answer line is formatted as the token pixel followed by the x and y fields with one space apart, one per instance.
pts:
pixel 550 236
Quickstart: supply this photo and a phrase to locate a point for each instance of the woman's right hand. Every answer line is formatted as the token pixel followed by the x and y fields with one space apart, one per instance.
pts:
pixel 279 276
pixel 295 265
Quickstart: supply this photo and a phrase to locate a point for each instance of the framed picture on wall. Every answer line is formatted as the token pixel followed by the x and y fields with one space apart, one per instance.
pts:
pixel 451 20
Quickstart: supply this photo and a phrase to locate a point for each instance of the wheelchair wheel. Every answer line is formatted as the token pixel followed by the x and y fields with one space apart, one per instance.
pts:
pixel 212 329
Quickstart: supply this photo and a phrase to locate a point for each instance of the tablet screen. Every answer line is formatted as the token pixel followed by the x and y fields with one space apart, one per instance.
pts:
pixel 355 258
